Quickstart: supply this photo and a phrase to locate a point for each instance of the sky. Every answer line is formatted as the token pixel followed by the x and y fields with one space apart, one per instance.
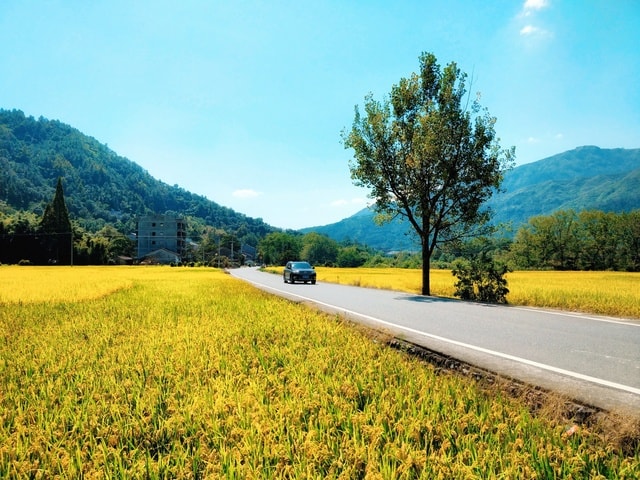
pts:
pixel 244 101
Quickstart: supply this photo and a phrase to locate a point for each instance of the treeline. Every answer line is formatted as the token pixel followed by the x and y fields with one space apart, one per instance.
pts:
pixel 588 240
pixel 25 240
pixel 565 240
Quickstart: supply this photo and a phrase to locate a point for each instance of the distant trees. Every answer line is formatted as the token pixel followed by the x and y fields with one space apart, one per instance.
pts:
pixel 589 240
pixel 319 249
pixel 19 240
pixel 279 247
pixel 430 154
pixel 566 240
pixel 47 240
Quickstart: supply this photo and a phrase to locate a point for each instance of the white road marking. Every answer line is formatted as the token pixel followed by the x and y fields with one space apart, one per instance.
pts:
pixel 579 315
pixel 561 371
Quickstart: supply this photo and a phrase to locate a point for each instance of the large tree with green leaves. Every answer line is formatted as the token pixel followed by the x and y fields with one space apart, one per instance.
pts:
pixel 429 153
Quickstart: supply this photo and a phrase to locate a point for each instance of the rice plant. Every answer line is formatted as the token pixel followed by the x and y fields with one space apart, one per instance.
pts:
pixel 189 373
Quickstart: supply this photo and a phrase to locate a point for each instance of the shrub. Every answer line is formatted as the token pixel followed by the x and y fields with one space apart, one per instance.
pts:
pixel 481 279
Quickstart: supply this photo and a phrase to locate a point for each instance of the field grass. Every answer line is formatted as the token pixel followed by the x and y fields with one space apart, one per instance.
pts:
pixel 605 293
pixel 153 372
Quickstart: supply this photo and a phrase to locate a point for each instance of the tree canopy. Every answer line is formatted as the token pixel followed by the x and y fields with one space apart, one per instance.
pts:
pixel 429 153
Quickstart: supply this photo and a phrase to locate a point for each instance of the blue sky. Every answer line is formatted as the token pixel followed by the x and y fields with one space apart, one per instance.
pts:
pixel 244 101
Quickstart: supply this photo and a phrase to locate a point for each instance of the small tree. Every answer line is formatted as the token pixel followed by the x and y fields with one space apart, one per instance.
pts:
pixel 428 154
pixel 481 279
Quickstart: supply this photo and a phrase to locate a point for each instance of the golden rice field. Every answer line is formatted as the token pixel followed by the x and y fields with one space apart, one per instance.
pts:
pixel 157 372
pixel 605 293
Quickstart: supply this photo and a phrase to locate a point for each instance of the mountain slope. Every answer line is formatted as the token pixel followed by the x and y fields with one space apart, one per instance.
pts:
pixel 586 178
pixel 361 227
pixel 100 186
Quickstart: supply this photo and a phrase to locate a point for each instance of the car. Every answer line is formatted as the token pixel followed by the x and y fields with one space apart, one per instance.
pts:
pixel 299 271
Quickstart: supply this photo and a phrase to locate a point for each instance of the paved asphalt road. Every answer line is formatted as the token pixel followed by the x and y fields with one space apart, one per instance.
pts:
pixel 593 359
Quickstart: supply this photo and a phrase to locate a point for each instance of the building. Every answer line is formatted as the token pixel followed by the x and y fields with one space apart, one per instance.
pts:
pixel 161 232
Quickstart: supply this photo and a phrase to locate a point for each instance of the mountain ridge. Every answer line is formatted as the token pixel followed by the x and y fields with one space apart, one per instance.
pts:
pixel 103 188
pixel 100 186
pixel 585 178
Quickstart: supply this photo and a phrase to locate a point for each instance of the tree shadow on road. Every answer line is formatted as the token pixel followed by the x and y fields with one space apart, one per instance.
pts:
pixel 426 299
pixel 431 299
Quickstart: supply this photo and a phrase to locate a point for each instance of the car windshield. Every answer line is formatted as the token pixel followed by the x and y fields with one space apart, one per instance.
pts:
pixel 300 265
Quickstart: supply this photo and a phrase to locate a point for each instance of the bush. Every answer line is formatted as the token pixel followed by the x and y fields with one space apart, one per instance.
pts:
pixel 481 279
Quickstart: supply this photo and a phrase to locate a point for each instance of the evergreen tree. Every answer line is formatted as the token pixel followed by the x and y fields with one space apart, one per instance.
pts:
pixel 56 227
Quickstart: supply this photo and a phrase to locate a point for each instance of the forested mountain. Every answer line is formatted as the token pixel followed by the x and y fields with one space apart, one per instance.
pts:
pixel 361 227
pixel 100 186
pixel 586 178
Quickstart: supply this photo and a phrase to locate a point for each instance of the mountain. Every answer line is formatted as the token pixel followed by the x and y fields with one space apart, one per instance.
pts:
pixel 100 187
pixel 361 227
pixel 586 178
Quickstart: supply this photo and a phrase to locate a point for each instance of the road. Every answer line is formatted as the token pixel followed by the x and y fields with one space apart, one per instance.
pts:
pixel 595 360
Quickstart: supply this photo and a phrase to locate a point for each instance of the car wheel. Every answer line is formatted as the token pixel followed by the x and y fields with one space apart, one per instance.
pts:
pixel 313 282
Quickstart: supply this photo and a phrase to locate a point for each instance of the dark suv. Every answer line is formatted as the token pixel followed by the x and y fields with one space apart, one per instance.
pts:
pixel 299 272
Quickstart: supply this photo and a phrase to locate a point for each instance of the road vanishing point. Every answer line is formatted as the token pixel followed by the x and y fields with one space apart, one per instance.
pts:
pixel 591 359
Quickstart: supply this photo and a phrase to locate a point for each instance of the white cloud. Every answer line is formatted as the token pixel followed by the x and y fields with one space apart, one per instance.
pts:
pixel 529 30
pixel 246 193
pixel 559 136
pixel 529 9
pixel 535 5
pixel 535 33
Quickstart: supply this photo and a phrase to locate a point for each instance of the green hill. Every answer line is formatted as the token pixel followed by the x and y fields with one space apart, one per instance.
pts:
pixel 103 188
pixel 586 178
pixel 100 186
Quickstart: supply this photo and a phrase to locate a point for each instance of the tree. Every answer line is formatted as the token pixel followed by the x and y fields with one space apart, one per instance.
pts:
pixel 278 248
pixel 429 154
pixel 319 249
pixel 56 226
pixel 351 256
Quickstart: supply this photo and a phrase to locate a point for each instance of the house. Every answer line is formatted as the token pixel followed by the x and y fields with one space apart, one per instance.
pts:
pixel 161 235
pixel 162 256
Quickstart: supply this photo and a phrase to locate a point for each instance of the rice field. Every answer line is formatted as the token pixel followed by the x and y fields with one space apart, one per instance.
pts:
pixel 157 372
pixel 605 293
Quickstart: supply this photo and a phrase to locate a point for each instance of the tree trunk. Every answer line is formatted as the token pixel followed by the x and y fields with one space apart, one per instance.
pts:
pixel 426 267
